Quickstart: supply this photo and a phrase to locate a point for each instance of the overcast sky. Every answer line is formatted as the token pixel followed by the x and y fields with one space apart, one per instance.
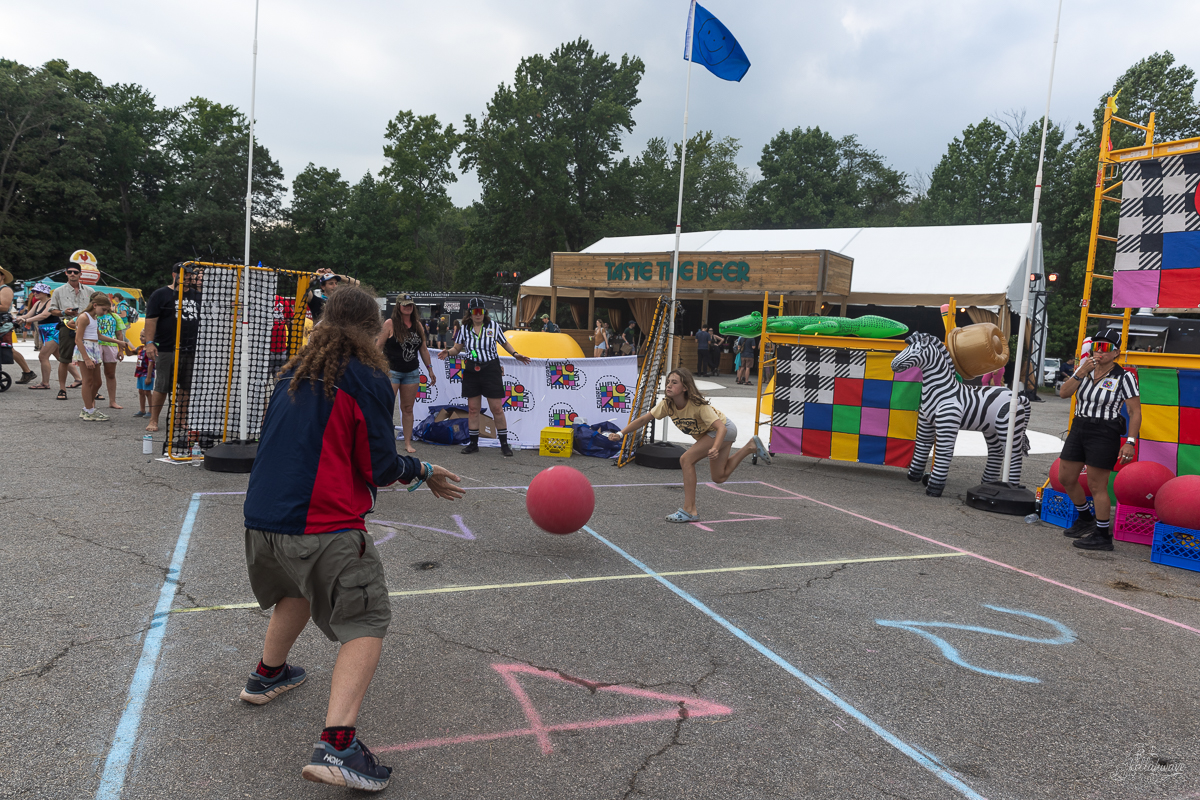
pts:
pixel 905 76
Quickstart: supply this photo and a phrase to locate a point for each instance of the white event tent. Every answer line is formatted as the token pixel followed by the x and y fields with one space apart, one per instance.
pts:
pixel 981 266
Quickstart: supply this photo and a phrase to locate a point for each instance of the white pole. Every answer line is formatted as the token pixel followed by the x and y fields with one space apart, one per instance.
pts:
pixel 1018 379
pixel 244 383
pixel 687 94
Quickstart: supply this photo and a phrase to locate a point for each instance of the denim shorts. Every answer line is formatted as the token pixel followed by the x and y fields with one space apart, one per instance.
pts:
pixel 405 378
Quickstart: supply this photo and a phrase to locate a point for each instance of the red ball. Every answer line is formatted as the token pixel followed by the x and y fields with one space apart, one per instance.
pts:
pixel 560 500
pixel 1178 501
pixel 1057 485
pixel 1138 483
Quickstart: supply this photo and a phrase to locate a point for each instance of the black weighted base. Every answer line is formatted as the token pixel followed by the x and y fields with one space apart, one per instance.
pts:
pixel 659 455
pixel 231 457
pixel 1001 498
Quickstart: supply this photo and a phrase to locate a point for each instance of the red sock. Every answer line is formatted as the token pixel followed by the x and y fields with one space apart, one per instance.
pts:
pixel 269 672
pixel 338 736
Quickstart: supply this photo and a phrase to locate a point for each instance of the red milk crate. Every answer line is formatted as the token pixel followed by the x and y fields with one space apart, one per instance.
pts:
pixel 1176 546
pixel 1134 524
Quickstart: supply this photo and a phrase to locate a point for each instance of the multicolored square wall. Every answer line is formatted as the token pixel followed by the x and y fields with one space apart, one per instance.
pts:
pixel 846 405
pixel 1170 431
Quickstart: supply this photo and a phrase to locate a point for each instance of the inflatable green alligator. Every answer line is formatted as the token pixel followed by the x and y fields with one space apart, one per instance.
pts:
pixel 868 327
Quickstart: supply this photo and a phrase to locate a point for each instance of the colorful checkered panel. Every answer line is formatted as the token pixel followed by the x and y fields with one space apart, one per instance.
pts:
pixel 1170 431
pixel 1158 239
pixel 847 405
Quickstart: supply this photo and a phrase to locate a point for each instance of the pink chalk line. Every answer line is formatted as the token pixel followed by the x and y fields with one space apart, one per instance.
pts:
pixel 741 517
pixel 465 532
pixel 992 561
pixel 685 707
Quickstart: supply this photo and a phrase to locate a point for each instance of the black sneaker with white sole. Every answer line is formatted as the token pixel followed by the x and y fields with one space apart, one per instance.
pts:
pixel 260 690
pixel 355 767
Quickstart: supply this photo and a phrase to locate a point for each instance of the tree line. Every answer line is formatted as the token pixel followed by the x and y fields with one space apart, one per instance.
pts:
pixel 142 186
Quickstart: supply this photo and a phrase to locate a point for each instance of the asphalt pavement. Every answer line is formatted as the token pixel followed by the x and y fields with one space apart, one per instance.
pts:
pixel 828 631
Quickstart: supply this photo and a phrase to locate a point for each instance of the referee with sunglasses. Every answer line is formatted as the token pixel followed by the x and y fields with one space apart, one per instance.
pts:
pixel 1100 387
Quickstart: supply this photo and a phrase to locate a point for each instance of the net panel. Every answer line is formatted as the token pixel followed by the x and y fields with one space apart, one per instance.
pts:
pixel 646 393
pixel 271 326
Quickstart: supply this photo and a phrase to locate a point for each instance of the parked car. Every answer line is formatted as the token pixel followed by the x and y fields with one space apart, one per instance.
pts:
pixel 1050 371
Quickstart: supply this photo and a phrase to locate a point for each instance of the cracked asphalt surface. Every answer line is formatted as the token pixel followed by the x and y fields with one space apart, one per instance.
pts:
pixel 636 693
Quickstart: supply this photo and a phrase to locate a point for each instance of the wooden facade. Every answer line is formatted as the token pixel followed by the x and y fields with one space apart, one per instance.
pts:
pixel 818 273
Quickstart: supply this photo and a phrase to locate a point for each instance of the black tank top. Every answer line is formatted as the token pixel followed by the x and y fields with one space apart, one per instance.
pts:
pixel 402 355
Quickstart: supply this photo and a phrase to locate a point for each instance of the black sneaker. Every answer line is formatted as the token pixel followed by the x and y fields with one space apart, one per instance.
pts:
pixel 260 690
pixel 1082 527
pixel 470 448
pixel 506 450
pixel 26 377
pixel 1095 541
pixel 355 767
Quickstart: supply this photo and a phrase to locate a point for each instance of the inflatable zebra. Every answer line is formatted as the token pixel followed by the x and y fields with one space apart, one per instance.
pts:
pixel 948 406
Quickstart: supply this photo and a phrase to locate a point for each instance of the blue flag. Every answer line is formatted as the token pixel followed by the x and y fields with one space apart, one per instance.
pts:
pixel 713 46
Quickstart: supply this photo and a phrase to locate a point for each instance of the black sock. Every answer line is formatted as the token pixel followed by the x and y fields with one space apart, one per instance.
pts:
pixel 339 736
pixel 1083 508
pixel 474 436
pixel 1102 525
pixel 269 672
pixel 502 435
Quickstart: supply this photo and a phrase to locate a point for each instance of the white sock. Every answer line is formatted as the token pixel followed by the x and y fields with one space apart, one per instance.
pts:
pixel 90 410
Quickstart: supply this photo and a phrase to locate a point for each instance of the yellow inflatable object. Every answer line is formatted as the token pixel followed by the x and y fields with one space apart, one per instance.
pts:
pixel 543 345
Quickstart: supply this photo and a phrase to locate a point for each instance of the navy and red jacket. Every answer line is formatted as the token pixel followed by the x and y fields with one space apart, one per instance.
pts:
pixel 320 461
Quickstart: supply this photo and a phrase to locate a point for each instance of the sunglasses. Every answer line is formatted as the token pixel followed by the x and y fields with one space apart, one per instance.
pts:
pixel 72 272
pixel 476 311
pixel 1103 347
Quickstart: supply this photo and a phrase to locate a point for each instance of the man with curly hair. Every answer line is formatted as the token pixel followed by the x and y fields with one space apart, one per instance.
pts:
pixel 327 445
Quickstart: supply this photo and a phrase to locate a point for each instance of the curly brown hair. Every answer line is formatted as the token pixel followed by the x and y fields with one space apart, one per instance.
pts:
pixel 348 327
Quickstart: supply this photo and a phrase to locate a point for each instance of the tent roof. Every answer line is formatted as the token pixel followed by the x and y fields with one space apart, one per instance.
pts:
pixel 976 264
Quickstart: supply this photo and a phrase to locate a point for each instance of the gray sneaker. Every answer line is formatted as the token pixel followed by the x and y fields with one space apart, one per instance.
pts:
pixel 98 416
pixel 83 414
pixel 763 453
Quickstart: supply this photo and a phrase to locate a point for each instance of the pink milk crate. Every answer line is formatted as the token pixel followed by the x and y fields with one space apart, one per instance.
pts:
pixel 1134 524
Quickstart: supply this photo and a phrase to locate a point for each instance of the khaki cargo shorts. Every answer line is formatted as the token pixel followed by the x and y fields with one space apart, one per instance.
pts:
pixel 339 574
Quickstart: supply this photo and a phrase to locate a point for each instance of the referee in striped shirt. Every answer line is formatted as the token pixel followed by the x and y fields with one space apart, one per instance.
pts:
pixel 1100 387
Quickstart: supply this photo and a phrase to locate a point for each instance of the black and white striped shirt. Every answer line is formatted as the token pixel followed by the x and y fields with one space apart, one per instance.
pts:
pixel 481 347
pixel 1103 399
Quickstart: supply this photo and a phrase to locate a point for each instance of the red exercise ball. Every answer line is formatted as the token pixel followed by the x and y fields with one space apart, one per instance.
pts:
pixel 1139 482
pixel 560 500
pixel 1057 485
pixel 1178 502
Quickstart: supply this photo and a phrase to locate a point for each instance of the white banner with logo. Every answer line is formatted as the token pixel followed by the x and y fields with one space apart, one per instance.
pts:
pixel 546 392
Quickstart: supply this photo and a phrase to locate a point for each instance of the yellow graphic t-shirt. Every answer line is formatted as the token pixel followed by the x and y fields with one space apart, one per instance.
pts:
pixel 694 420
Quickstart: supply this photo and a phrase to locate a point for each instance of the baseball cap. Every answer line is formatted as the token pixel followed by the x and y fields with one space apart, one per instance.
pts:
pixel 1108 335
pixel 43 288
pixel 404 299
pixel 330 277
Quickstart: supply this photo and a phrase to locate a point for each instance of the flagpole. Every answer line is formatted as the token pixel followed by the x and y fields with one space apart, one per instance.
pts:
pixel 687 94
pixel 244 382
pixel 1019 379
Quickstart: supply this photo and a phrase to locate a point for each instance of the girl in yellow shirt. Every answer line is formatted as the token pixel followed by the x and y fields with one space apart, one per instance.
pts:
pixel 714 434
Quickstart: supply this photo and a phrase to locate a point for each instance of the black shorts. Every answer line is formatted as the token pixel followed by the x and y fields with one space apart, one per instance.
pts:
pixel 1095 442
pixel 487 381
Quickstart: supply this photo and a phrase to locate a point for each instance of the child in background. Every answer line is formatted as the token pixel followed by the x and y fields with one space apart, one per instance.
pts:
pixel 87 353
pixel 113 326
pixel 713 432
pixel 145 381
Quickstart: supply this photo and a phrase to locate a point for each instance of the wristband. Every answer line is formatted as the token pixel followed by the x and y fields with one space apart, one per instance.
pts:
pixel 1131 440
pixel 1075 375
pixel 412 487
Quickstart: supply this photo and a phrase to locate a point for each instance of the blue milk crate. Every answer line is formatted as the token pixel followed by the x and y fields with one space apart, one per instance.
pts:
pixel 1058 508
pixel 1176 546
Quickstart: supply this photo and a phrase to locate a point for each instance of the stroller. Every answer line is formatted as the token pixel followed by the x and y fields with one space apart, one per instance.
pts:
pixel 6 350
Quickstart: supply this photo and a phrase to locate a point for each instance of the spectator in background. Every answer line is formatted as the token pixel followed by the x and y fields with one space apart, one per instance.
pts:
pixel 163 317
pixel 112 325
pixel 714 350
pixel 703 342
pixel 65 304
pixel 995 378
pixel 144 372
pixel 8 320
pixel 443 329
pixel 746 346
pixel 549 325
pixel 328 281
pixel 45 330
pixel 599 340
pixel 630 339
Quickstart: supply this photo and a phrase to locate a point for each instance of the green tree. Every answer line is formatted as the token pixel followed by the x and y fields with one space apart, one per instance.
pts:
pixel 812 180
pixel 544 152
pixel 320 198
pixel 50 137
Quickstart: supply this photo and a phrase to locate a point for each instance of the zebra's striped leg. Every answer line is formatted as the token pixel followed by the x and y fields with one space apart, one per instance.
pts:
pixel 995 459
pixel 1020 444
pixel 924 443
pixel 946 433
